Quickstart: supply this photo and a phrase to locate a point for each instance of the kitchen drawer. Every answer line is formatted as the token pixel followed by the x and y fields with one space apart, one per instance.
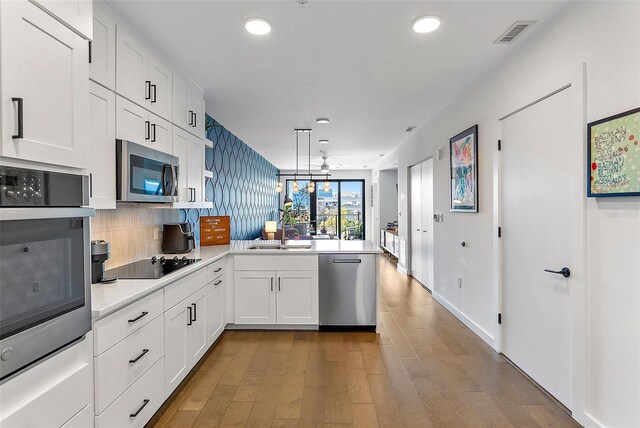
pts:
pixel 112 329
pixel 83 419
pixel 142 399
pixel 279 262
pixel 216 269
pixel 183 288
pixel 114 369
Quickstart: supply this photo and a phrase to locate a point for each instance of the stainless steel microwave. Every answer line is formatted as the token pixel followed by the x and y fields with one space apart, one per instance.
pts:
pixel 144 174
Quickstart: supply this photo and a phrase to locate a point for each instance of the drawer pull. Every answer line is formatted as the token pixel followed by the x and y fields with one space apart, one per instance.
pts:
pixel 195 311
pixel 135 360
pixel 217 282
pixel 190 315
pixel 144 404
pixel 217 270
pixel 139 317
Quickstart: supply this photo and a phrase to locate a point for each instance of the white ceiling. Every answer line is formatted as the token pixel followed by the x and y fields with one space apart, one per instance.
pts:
pixel 357 62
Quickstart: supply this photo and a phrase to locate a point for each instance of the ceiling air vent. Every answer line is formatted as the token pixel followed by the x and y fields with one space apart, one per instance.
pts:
pixel 514 32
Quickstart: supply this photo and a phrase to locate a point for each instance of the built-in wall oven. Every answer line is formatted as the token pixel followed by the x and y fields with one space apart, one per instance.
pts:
pixel 144 174
pixel 45 272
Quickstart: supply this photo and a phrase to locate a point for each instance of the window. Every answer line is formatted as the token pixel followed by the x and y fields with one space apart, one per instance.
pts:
pixel 338 212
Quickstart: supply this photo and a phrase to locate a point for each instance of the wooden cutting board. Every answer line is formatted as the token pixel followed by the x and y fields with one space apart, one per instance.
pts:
pixel 215 230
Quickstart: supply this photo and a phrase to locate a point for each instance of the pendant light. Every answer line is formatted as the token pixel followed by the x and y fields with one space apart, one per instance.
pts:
pixel 295 185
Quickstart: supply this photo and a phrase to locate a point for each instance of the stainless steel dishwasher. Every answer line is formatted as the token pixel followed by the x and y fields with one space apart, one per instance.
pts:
pixel 347 290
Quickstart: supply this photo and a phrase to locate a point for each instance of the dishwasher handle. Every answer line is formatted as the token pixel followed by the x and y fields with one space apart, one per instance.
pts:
pixel 347 260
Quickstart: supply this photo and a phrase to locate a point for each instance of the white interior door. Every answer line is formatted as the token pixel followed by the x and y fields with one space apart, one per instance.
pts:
pixel 541 164
pixel 426 271
pixel 415 230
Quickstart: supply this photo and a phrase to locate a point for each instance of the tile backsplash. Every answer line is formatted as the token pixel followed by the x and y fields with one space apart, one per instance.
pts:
pixel 130 231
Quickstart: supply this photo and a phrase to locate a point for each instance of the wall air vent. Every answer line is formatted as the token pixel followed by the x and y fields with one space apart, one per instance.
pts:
pixel 513 32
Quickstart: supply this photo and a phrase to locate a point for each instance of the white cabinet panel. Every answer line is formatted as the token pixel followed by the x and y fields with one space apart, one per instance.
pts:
pixel 101 160
pixel 196 107
pixel 132 122
pixel 198 338
pixel 83 419
pixel 216 304
pixel 181 98
pixel 103 50
pixel 161 88
pixel 44 64
pixel 75 13
pixel 297 301
pixel 176 351
pixel 190 152
pixel 195 168
pixel 254 297
pixel 132 68
pixel 160 134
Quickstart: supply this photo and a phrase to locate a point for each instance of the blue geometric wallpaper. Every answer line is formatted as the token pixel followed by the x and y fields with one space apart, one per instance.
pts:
pixel 243 184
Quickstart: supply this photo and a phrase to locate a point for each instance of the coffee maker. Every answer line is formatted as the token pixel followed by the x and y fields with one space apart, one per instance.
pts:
pixel 100 251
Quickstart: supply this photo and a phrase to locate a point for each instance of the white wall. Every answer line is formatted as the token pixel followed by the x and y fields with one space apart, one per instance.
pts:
pixel 363 174
pixel 605 36
pixel 387 186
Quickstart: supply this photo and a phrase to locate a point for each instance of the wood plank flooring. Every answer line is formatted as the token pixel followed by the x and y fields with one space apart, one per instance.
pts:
pixel 426 369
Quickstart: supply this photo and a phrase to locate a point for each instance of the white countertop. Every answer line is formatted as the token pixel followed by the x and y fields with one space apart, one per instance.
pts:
pixel 108 298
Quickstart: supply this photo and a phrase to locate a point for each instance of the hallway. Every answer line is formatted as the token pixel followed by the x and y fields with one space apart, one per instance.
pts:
pixel 425 369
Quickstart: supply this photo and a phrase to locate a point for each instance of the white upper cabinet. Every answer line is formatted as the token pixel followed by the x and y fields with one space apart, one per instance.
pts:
pixel 132 122
pixel 103 50
pixel 102 143
pixel 142 77
pixel 190 152
pixel 74 13
pixel 160 134
pixel 188 105
pixel 44 87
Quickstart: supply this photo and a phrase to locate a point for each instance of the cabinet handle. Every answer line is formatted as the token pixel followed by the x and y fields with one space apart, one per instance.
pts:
pixel 279 283
pixel 195 311
pixel 217 282
pixel 147 129
pixel 153 100
pixel 91 185
pixel 144 404
pixel 190 320
pixel 217 270
pixel 271 283
pixel 147 89
pixel 138 317
pixel 135 360
pixel 191 117
pixel 20 133
pixel 195 120
pixel 153 132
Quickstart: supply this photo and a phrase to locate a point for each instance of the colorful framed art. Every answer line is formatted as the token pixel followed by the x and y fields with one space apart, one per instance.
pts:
pixel 613 155
pixel 463 161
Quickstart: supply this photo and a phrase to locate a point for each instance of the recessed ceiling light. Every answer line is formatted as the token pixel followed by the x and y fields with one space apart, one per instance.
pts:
pixel 426 24
pixel 258 26
pixel 322 120
pixel 323 141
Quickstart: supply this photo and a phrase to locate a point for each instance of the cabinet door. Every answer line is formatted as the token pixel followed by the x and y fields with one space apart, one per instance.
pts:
pixel 177 358
pixel 132 67
pixel 181 140
pixel 132 122
pixel 44 64
pixel 297 297
pixel 195 168
pixel 103 50
pixel 215 310
pixel 196 111
pixel 160 134
pixel 198 337
pixel 180 101
pixel 76 13
pixel 102 160
pixel 161 88
pixel 254 297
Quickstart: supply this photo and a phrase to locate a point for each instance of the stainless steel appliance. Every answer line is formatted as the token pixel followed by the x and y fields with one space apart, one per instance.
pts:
pixel 177 238
pixel 100 251
pixel 144 174
pixel 45 280
pixel 152 268
pixel 347 290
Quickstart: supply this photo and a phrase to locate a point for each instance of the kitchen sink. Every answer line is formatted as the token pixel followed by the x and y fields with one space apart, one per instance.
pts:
pixel 279 247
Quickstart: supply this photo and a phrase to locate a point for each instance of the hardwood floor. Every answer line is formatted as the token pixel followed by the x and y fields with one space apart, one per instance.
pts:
pixel 426 369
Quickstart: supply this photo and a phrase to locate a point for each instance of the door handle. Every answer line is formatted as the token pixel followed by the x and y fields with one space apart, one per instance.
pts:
pixel 464 244
pixel 144 313
pixel 147 89
pixel 347 261
pixel 144 404
pixel 217 270
pixel 195 311
pixel 20 133
pixel 565 271
pixel 191 117
pixel 153 133
pixel 217 282
pixel 189 308
pixel 135 360
pixel 279 283
pixel 155 93
pixel 417 230
pixel 195 119
pixel 147 129
pixel 424 231
pixel 271 283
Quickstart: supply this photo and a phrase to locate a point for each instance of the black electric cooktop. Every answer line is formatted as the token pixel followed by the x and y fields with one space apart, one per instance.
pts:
pixel 152 268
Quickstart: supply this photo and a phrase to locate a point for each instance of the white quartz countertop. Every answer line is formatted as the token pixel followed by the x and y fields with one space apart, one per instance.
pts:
pixel 108 298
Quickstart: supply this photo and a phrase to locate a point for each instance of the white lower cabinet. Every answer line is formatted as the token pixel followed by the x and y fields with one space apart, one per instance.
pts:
pixel 137 404
pixel 82 419
pixel 276 296
pixel 185 337
pixel 216 305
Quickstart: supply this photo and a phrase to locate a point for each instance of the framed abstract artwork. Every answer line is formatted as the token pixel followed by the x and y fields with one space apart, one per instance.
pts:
pixel 613 155
pixel 463 150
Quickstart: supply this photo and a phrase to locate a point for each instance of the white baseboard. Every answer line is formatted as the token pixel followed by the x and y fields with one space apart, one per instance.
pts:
pixel 402 269
pixel 482 333
pixel 590 422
